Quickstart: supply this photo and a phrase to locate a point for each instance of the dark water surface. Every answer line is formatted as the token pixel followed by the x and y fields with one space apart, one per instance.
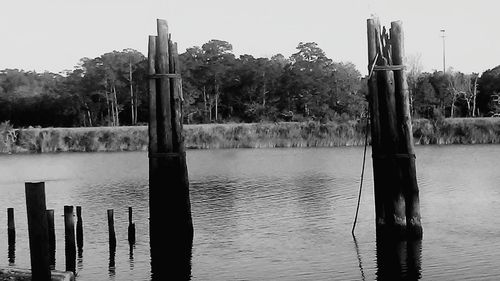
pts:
pixel 270 214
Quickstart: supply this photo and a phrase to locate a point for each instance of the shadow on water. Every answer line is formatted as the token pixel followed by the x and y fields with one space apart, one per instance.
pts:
pixel 399 260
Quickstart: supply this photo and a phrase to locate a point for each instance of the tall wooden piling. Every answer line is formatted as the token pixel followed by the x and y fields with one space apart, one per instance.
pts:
pixel 11 227
pixel 170 210
pixel 395 183
pixel 69 238
pixel 79 228
pixel 406 146
pixel 131 227
pixel 52 237
pixel 38 230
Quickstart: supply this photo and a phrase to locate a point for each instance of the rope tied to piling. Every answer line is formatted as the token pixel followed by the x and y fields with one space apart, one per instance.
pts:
pixel 367 117
pixel 374 67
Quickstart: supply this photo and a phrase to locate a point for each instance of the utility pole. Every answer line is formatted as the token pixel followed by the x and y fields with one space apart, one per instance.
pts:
pixel 444 51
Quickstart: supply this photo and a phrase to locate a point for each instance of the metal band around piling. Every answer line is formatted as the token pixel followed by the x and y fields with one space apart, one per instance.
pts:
pixel 169 75
pixel 164 155
pixel 373 67
pixel 394 156
pixel 388 67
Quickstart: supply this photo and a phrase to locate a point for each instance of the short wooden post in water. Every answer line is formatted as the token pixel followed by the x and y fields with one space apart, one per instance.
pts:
pixel 38 231
pixel 69 238
pixel 52 237
pixel 111 229
pixel 79 228
pixel 168 178
pixel 131 227
pixel 11 227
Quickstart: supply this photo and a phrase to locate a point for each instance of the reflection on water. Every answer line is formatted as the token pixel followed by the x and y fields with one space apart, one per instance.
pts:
pixel 398 260
pixel 79 259
pixel 12 254
pixel 112 266
pixel 269 214
pixel 131 256
pixel 360 263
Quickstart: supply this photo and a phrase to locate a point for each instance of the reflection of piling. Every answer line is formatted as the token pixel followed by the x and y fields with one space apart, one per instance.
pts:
pixel 79 228
pixel 396 190
pixel 168 178
pixel 11 227
pixel 52 238
pixel 111 229
pixel 69 238
pixel 111 265
pixel 12 254
pixel 131 227
pixel 398 259
pixel 38 230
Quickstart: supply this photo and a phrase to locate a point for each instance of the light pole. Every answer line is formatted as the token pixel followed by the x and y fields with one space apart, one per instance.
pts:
pixel 444 51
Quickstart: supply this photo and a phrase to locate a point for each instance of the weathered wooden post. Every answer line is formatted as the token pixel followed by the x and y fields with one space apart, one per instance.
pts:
pixel 38 231
pixel 52 238
pixel 111 229
pixel 112 241
pixel 169 205
pixel 69 238
pixel 131 227
pixel 406 148
pixel 79 228
pixel 396 190
pixel 11 227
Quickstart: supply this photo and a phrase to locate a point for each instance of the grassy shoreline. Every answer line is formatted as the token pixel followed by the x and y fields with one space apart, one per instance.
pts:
pixel 255 135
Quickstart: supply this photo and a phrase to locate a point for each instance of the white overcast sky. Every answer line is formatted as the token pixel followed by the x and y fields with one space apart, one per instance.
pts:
pixel 53 35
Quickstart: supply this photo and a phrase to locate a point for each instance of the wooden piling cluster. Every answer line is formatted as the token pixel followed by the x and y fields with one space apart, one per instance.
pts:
pixel 42 238
pixel 170 210
pixel 396 190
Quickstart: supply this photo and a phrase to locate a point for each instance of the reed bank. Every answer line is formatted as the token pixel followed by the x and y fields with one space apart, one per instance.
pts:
pixel 241 135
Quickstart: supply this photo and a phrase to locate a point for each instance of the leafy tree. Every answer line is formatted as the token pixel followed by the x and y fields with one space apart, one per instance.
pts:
pixel 489 86
pixel 425 102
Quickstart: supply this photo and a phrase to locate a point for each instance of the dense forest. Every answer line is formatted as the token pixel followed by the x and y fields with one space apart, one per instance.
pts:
pixel 111 90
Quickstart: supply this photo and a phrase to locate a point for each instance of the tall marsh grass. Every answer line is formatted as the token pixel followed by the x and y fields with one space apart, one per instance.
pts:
pixel 256 135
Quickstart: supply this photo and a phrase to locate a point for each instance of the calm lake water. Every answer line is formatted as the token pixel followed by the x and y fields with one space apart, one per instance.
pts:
pixel 270 214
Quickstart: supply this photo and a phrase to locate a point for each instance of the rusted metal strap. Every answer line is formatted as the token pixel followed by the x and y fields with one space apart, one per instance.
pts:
pixel 169 75
pixel 394 156
pixel 165 154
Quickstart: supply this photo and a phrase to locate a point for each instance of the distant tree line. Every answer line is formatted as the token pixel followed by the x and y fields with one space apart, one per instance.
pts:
pixel 111 90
